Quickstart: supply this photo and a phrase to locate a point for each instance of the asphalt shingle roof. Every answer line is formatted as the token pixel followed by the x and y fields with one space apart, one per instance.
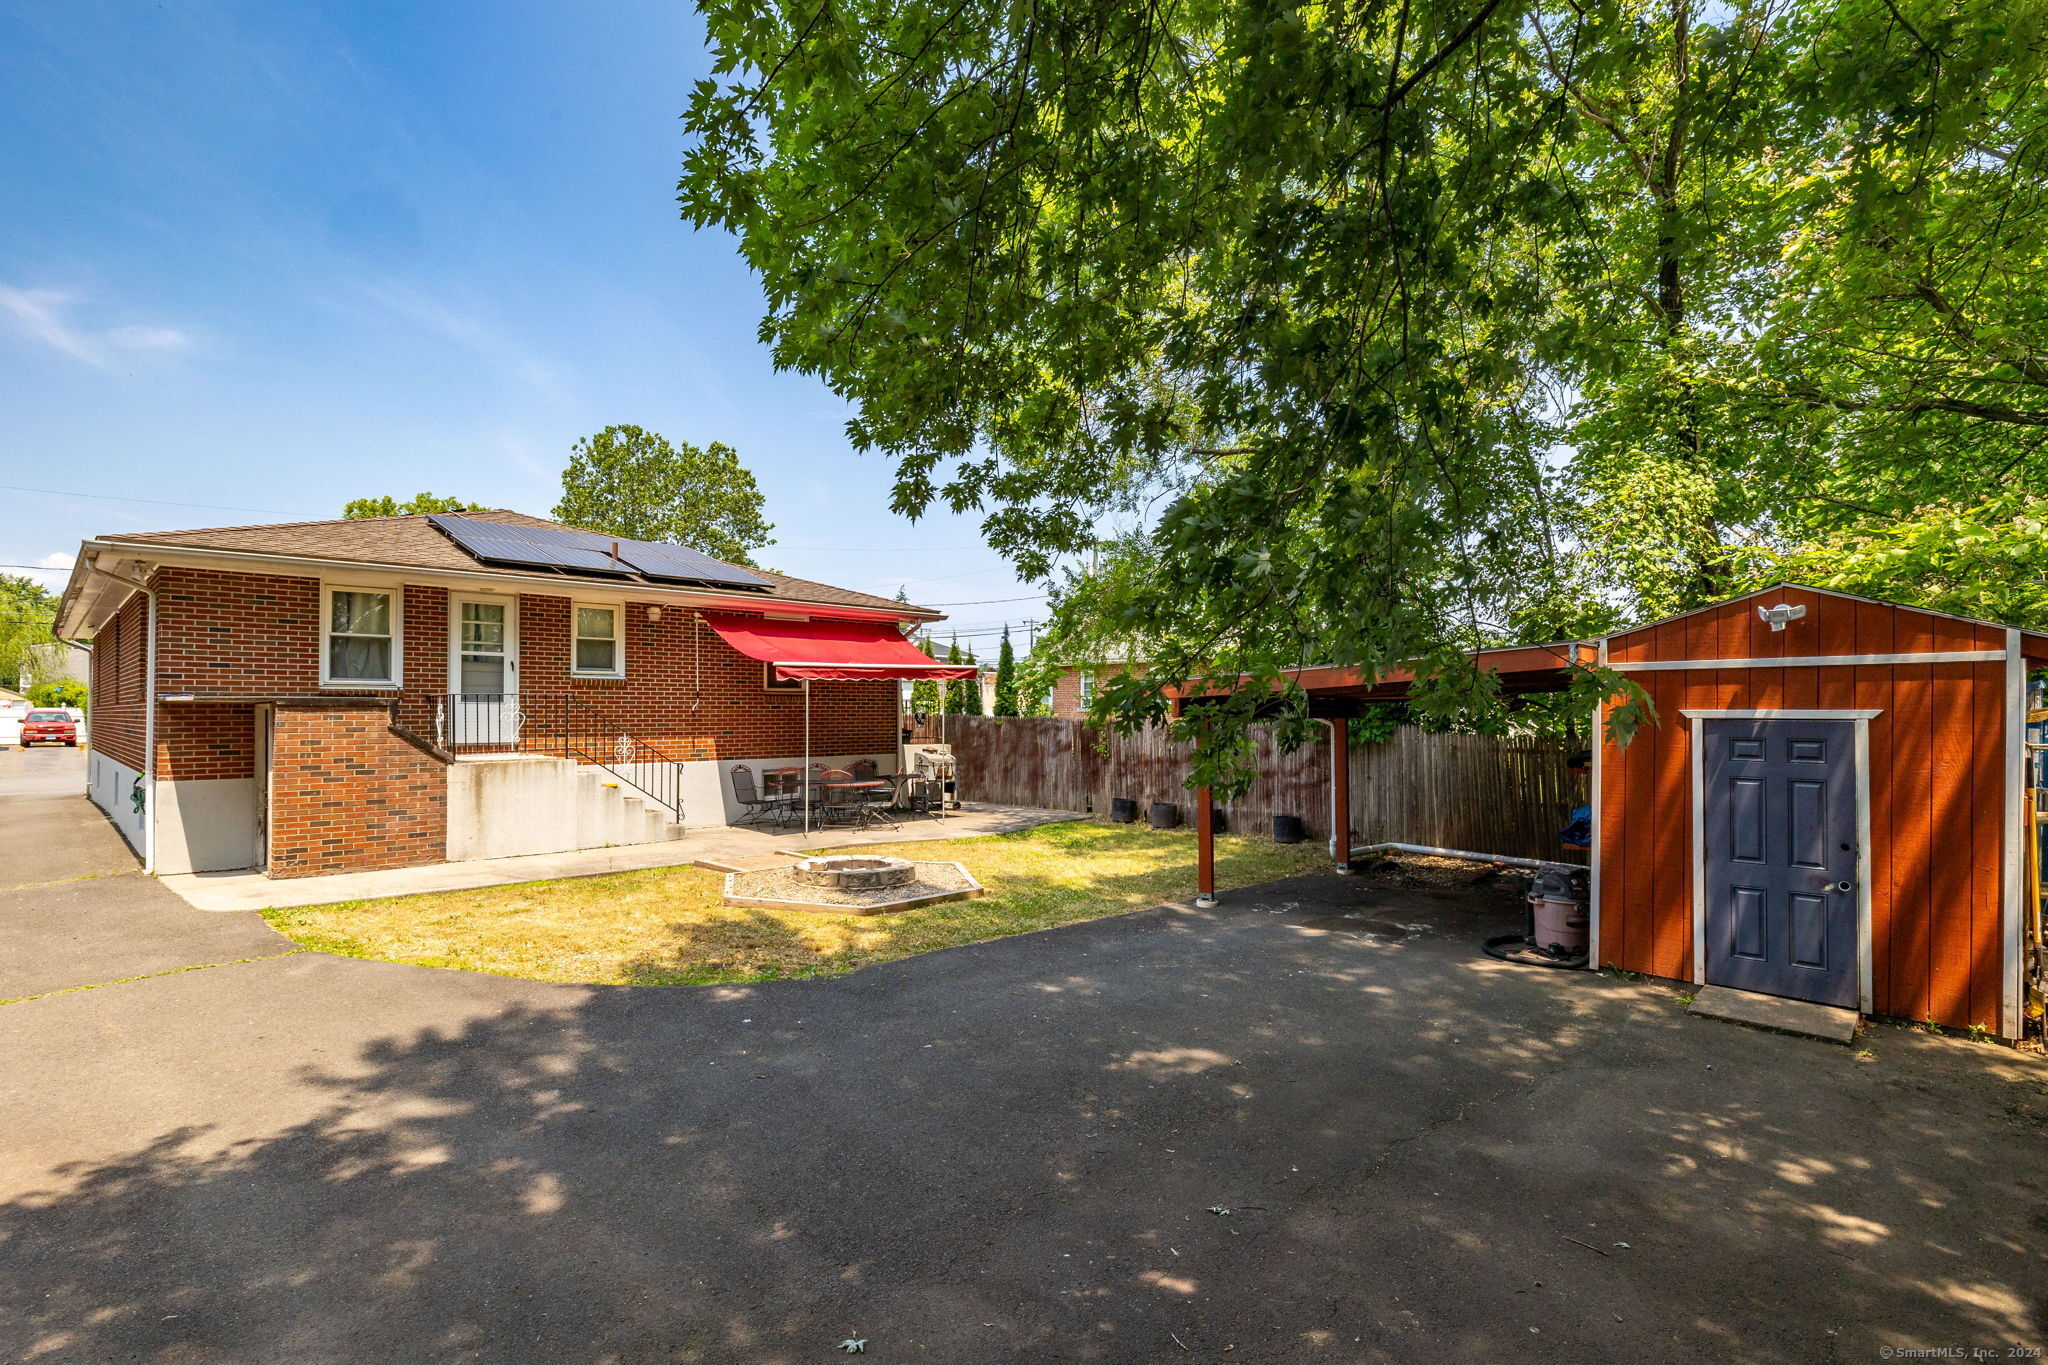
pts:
pixel 411 542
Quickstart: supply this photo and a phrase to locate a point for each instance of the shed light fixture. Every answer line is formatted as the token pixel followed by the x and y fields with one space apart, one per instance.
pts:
pixel 654 615
pixel 1776 617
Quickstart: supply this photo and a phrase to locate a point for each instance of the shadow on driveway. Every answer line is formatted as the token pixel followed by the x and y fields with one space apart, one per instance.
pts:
pixel 1013 1151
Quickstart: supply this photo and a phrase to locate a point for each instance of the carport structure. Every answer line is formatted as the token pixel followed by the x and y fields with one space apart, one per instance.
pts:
pixel 1830 805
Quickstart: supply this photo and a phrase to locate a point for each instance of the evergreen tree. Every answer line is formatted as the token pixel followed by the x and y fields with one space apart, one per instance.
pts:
pixel 956 691
pixel 1006 677
pixel 924 693
pixel 971 689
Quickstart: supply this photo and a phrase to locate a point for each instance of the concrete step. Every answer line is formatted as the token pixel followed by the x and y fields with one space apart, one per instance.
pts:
pixel 1774 1012
pixel 537 803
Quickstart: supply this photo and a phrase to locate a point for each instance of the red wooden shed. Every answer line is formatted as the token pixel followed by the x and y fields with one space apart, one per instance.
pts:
pixel 1830 805
pixel 1833 782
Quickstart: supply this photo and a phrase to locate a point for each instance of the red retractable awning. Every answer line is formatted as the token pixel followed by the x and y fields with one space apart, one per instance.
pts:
pixel 831 649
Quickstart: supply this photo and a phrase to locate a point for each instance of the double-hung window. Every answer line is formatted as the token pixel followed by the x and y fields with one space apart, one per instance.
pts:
pixel 362 638
pixel 599 653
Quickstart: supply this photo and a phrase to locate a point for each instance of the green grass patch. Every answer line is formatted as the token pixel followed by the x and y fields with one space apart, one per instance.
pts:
pixel 669 927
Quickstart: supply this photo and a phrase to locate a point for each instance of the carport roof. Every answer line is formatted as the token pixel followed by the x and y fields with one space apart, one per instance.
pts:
pixel 1346 689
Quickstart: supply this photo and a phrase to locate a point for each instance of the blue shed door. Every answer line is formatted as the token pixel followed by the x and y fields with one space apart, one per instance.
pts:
pixel 1780 857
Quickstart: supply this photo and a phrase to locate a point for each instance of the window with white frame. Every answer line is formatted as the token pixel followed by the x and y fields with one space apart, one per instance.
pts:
pixel 598 652
pixel 362 638
pixel 1087 688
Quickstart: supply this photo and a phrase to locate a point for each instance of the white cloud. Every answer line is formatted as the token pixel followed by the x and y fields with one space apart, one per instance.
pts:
pixel 54 574
pixel 518 365
pixel 45 316
pixel 37 314
pixel 149 338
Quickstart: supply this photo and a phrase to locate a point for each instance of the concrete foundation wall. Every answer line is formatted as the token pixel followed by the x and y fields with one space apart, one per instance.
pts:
pixel 531 803
pixel 206 826
pixel 110 785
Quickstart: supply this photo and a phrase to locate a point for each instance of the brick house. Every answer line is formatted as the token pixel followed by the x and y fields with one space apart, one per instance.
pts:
pixel 349 695
pixel 1073 688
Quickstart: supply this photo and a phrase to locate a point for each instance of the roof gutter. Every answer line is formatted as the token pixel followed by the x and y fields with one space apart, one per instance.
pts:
pixel 71 604
pixel 168 553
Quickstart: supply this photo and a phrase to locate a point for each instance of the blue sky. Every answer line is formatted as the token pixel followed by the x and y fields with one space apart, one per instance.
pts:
pixel 277 255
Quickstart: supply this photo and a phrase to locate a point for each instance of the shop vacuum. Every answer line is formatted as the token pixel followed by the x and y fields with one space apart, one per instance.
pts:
pixel 1554 932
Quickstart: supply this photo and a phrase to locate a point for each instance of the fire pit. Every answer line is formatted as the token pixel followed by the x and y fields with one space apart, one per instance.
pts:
pixel 854 874
pixel 847 885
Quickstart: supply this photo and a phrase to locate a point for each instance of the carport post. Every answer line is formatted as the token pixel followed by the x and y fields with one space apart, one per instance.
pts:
pixel 1340 792
pixel 1205 825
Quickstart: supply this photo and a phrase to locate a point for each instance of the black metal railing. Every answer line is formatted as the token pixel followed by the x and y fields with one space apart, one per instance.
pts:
pixel 563 726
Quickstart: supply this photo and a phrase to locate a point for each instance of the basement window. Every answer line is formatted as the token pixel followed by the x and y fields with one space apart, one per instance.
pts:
pixel 598 654
pixel 361 645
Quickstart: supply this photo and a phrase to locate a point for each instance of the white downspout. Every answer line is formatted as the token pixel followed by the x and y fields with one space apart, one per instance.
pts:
pixel 807 760
pixel 149 740
pixel 1335 758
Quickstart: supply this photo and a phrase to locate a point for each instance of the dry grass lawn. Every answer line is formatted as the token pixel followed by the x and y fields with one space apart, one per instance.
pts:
pixel 667 927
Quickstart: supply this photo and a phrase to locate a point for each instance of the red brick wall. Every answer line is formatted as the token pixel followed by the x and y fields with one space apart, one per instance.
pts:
pixel 199 741
pixel 242 635
pixel 119 662
pixel 1066 695
pixel 236 634
pixel 731 716
pixel 426 640
pixel 347 795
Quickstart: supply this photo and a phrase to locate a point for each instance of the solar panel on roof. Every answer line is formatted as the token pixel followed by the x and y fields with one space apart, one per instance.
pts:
pixel 533 545
pixel 677 561
pixel 588 552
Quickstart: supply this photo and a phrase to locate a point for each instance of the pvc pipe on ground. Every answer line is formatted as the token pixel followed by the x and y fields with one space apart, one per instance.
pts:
pixel 1448 853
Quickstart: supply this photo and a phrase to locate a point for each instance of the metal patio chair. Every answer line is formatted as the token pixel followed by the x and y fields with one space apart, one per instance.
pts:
pixel 840 802
pixel 759 807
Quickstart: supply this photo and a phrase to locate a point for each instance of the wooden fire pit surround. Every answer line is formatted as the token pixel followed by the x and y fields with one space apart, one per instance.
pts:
pixel 851 885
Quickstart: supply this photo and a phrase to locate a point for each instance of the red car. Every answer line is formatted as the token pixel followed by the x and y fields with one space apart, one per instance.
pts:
pixel 48 727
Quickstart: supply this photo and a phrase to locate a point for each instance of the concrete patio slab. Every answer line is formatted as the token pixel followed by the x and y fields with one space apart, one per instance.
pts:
pixel 1800 1017
pixel 249 890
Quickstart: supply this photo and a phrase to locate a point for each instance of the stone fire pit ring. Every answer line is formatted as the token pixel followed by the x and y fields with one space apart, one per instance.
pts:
pixel 879 885
pixel 848 872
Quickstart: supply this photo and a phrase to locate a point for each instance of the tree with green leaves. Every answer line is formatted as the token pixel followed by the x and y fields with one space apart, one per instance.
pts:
pixel 956 688
pixel 632 483
pixel 28 613
pixel 1006 677
pixel 1386 330
pixel 419 504
pixel 66 693
pixel 970 688
pixel 925 697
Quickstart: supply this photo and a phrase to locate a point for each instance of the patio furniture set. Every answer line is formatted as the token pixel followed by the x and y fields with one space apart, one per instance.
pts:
pixel 856 797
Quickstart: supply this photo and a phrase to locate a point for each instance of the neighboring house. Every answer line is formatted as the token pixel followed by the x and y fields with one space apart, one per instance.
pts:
pixel 13 706
pixel 347 695
pixel 1074 688
pixel 64 661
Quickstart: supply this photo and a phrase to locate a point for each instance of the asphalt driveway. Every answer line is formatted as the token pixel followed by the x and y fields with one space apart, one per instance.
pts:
pixel 1314 1125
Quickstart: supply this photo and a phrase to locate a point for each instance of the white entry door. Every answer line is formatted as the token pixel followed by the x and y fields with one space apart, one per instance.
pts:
pixel 484 671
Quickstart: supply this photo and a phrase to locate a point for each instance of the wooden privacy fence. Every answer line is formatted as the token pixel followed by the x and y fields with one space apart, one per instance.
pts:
pixel 1473 792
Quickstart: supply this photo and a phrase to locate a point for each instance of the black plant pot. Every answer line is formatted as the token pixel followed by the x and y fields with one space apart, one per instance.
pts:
pixel 1122 810
pixel 1287 829
pixel 1217 823
pixel 1163 815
